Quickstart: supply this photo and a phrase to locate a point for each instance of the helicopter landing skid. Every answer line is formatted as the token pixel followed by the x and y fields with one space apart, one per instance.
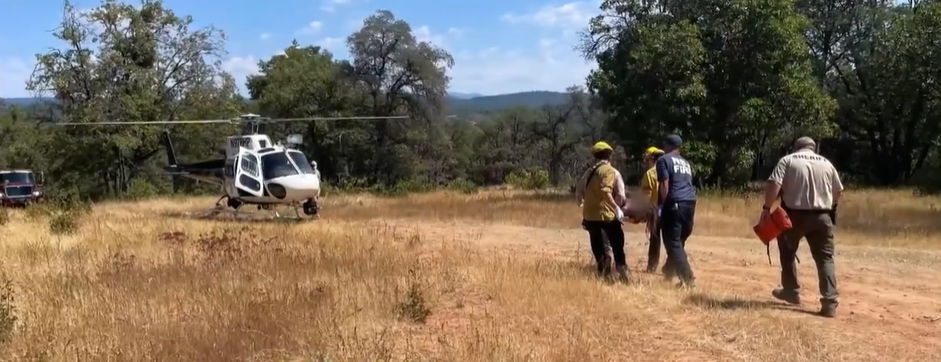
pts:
pixel 220 204
pixel 226 201
pixel 227 208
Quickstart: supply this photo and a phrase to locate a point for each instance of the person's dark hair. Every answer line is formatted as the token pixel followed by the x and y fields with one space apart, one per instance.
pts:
pixel 603 155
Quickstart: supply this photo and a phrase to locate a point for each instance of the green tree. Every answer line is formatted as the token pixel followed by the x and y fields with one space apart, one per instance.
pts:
pixel 302 82
pixel 19 137
pixel 885 75
pixel 730 75
pixel 307 82
pixel 400 75
pixel 391 74
pixel 505 145
pixel 123 63
pixel 558 130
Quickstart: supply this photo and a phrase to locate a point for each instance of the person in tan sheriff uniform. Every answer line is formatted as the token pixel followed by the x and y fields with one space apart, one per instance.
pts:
pixel 810 189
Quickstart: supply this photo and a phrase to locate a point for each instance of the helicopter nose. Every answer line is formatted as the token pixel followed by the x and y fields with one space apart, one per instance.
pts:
pixel 299 187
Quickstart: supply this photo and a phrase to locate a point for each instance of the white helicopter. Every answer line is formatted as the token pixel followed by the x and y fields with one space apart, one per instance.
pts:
pixel 255 171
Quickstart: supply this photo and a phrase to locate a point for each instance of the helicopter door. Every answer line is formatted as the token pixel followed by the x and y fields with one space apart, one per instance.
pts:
pixel 248 173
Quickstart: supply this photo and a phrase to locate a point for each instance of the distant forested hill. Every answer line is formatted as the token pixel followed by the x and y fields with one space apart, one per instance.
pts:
pixel 501 102
pixel 460 95
pixel 458 103
pixel 24 102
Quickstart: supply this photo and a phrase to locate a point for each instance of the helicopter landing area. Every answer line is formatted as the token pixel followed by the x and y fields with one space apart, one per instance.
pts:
pixel 492 275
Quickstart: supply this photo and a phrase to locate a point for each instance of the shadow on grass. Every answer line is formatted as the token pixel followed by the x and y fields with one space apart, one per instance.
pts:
pixel 239 217
pixel 734 303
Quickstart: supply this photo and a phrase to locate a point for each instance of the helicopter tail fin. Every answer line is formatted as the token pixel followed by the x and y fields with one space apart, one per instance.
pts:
pixel 171 153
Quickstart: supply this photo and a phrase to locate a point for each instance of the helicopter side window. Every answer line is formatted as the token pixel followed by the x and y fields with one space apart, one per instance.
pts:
pixel 277 165
pixel 249 166
pixel 301 161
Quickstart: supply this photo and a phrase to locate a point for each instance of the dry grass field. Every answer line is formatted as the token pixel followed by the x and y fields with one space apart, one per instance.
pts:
pixel 496 275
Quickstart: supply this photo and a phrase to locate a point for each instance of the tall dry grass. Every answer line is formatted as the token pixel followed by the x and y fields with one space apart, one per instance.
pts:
pixel 894 218
pixel 370 281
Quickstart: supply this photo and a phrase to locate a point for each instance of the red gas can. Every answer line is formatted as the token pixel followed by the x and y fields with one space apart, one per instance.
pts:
pixel 772 226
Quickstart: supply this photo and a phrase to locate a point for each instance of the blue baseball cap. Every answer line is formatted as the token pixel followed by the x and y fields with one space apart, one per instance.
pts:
pixel 673 141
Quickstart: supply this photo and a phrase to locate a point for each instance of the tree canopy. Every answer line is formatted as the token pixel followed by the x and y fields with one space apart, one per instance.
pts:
pixel 738 79
pixel 123 63
pixel 729 75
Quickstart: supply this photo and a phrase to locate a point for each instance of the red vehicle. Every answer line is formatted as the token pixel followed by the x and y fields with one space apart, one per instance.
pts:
pixel 20 187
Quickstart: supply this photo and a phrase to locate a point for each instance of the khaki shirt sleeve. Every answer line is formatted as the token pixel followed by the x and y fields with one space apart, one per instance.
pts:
pixel 608 179
pixel 777 176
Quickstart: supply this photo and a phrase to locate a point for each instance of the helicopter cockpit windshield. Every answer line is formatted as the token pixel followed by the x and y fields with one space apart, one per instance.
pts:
pixel 301 161
pixel 280 164
pixel 276 165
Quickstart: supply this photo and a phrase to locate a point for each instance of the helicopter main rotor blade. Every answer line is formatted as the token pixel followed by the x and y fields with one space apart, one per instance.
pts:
pixel 232 121
pixel 310 119
pixel 203 121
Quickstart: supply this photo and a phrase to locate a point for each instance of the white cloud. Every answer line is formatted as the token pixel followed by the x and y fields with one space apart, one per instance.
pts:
pixel 14 72
pixel 553 66
pixel 332 5
pixel 312 28
pixel 456 32
pixel 549 62
pixel 424 33
pixel 241 68
pixel 330 43
pixel 265 36
pixel 572 15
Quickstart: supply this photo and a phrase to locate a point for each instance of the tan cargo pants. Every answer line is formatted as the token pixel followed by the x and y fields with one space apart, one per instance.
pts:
pixel 817 227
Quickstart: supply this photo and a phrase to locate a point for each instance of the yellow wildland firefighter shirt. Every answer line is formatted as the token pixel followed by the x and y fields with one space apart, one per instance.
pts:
pixel 594 207
pixel 650 186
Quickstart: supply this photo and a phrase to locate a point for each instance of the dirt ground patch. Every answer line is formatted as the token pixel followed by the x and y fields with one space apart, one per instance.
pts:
pixel 889 303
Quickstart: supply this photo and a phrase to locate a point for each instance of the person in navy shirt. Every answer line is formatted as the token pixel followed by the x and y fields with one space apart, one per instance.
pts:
pixel 677 208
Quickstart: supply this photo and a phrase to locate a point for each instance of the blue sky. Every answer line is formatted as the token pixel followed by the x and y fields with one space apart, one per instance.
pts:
pixel 499 46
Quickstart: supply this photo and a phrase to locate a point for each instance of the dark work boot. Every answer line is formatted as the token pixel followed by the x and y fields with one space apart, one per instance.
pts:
pixel 789 296
pixel 828 308
pixel 624 274
pixel 668 272
pixel 687 284
pixel 606 266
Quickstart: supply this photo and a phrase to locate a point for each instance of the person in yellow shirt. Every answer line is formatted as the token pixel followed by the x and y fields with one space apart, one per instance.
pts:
pixel 650 186
pixel 601 214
